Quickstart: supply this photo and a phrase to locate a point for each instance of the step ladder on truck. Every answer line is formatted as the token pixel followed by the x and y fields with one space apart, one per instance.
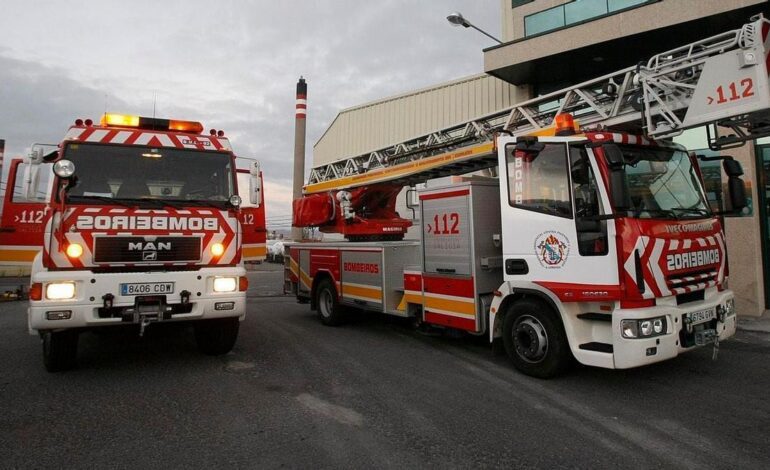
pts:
pixel 595 242
pixel 134 221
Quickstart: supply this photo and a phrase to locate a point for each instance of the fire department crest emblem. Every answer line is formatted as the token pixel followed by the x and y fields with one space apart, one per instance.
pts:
pixel 552 249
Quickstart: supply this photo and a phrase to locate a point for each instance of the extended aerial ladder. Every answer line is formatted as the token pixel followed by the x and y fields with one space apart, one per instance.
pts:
pixel 720 82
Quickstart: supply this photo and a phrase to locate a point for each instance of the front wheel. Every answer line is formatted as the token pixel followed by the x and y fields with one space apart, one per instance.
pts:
pixel 535 340
pixel 329 310
pixel 216 337
pixel 60 349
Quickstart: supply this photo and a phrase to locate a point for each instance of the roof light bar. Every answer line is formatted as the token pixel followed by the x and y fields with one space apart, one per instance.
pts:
pixel 125 120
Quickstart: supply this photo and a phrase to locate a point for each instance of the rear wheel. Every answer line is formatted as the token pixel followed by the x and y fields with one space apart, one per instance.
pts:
pixel 329 310
pixel 216 337
pixel 535 340
pixel 60 349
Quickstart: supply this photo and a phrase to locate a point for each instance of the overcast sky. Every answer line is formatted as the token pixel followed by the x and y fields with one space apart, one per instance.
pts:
pixel 231 64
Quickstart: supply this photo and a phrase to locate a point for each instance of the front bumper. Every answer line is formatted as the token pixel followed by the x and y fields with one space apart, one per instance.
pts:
pixel 88 307
pixel 634 352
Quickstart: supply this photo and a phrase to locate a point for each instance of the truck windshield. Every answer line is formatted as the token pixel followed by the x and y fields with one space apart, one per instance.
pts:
pixel 109 172
pixel 662 183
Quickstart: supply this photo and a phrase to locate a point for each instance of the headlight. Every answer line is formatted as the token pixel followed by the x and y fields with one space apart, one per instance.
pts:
pixel 647 328
pixel 630 328
pixel 60 290
pixel 225 284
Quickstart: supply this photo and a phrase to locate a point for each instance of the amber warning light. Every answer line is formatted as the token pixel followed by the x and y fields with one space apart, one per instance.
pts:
pixel 156 124
pixel 564 124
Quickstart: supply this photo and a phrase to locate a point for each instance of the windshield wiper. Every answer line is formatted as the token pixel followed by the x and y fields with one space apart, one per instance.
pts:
pixel 693 210
pixel 205 202
pixel 119 202
pixel 660 212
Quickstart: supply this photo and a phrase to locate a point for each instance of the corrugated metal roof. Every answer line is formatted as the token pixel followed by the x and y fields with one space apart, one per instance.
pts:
pixel 371 126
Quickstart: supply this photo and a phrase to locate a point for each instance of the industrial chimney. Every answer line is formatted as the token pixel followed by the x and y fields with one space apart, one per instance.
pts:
pixel 299 147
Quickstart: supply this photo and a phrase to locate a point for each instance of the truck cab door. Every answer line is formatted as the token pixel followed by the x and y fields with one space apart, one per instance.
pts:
pixel 25 206
pixel 551 203
pixel 254 233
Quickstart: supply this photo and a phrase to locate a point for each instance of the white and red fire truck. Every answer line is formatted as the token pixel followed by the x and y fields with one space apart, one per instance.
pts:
pixel 595 241
pixel 142 223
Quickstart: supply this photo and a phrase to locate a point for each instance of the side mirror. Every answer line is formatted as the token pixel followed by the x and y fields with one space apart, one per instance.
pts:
pixel 732 167
pixel 411 199
pixel 618 190
pixel 255 184
pixel 30 181
pixel 737 191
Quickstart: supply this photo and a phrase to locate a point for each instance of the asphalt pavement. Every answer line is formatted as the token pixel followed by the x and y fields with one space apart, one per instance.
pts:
pixel 373 393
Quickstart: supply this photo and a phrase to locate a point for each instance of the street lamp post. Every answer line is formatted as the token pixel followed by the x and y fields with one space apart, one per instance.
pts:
pixel 456 19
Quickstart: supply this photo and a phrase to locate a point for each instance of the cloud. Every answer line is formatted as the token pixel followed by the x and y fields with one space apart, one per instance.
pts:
pixel 232 65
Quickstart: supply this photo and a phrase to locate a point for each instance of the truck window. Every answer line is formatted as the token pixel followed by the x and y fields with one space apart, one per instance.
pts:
pixel 592 234
pixel 539 181
pixel 45 174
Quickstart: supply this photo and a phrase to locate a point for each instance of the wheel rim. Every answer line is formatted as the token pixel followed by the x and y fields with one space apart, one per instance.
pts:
pixel 326 304
pixel 530 339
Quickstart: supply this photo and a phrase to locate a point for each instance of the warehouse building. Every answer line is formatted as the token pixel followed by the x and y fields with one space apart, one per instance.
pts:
pixel 550 44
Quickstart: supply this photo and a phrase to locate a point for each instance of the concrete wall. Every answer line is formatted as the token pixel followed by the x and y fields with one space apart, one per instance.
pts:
pixel 644 18
pixel 744 244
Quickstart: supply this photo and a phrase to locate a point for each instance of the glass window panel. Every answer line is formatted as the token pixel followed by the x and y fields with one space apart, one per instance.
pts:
pixel 582 10
pixel 544 21
pixel 539 181
pixel 615 5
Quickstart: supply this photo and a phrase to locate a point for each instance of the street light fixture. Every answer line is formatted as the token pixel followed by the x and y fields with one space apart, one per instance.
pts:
pixel 457 19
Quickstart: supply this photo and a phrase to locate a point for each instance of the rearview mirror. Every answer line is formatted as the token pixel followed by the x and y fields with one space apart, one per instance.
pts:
pixel 255 184
pixel 618 191
pixel 732 167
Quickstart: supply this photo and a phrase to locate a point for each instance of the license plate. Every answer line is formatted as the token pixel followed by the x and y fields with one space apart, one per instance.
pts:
pixel 702 316
pixel 145 288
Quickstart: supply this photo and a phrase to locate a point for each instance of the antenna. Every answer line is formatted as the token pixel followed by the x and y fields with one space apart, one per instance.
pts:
pixel 154 102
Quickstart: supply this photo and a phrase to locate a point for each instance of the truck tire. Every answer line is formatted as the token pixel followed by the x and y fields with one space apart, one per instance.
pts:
pixel 216 337
pixel 60 350
pixel 330 311
pixel 535 340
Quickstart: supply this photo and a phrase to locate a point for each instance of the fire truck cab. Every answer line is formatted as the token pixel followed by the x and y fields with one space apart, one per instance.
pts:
pixel 142 224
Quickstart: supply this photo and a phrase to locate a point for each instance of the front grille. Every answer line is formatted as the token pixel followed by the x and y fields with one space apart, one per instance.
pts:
pixel 698 280
pixel 146 250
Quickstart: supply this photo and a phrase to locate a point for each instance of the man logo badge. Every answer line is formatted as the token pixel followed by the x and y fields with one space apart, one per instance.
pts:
pixel 149 256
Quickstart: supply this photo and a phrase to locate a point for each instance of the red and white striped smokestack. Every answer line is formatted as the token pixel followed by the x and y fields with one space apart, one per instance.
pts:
pixel 2 154
pixel 299 147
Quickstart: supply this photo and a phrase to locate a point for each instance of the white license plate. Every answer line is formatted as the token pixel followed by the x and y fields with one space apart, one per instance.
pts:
pixel 702 316
pixel 147 288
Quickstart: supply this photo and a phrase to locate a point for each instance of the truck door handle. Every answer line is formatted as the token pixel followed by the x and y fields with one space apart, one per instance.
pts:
pixel 446 270
pixel 516 266
pixel 7 229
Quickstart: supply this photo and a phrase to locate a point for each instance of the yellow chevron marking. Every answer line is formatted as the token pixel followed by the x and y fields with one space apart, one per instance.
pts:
pixel 385 174
pixel 306 280
pixel 409 298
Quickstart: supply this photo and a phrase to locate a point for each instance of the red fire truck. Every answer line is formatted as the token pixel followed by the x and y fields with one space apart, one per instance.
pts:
pixel 595 240
pixel 141 222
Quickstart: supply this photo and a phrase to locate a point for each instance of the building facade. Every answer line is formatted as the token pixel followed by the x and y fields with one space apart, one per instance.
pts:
pixel 550 44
